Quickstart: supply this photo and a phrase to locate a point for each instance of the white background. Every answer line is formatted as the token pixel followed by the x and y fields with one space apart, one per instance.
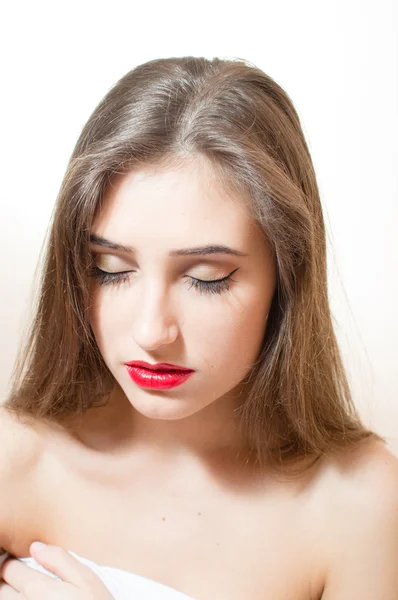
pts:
pixel 338 61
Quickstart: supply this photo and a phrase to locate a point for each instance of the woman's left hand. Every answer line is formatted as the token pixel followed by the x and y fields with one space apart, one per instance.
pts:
pixel 79 582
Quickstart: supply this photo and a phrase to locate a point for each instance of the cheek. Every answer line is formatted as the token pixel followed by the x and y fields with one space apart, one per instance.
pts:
pixel 104 320
pixel 230 335
pixel 225 333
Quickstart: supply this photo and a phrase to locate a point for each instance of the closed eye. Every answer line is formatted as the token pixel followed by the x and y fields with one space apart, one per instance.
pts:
pixel 215 286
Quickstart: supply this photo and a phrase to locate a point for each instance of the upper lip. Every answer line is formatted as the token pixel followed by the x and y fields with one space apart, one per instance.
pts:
pixel 156 367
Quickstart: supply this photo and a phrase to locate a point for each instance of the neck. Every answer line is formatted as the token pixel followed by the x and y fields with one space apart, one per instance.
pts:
pixel 209 433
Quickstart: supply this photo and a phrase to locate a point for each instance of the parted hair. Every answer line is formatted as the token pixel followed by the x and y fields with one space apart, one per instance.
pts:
pixel 297 402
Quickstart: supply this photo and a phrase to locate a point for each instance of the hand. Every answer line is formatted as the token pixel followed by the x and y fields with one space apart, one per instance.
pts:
pixel 79 582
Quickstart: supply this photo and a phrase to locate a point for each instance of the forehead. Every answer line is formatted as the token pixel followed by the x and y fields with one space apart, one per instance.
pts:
pixel 185 204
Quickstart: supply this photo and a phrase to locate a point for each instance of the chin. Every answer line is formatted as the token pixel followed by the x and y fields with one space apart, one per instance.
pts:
pixel 163 408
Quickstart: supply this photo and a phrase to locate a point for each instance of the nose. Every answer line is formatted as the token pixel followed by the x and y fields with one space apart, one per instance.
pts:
pixel 155 322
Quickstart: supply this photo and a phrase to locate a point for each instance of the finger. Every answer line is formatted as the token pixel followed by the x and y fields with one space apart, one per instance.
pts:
pixel 64 565
pixel 8 593
pixel 28 581
pixel 16 574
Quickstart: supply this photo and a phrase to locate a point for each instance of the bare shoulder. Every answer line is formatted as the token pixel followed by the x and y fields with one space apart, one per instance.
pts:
pixel 20 450
pixel 358 502
pixel 20 444
pixel 368 472
pixel 357 483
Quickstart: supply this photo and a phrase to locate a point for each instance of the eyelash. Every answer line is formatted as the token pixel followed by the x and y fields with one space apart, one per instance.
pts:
pixel 217 286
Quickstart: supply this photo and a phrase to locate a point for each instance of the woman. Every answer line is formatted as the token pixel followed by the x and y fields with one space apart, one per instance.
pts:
pixel 180 411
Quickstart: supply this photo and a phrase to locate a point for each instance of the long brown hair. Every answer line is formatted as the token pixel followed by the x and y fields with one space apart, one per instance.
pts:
pixel 298 401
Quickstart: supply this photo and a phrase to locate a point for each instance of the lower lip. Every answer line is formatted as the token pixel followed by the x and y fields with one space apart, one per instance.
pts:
pixel 159 380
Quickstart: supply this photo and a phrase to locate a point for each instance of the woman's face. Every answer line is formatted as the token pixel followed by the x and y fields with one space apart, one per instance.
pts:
pixel 156 313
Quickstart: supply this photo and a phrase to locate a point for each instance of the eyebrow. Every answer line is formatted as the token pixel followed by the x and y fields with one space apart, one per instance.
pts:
pixel 195 251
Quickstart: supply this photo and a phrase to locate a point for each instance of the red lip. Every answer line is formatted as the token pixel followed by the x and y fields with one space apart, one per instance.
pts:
pixel 157 367
pixel 158 380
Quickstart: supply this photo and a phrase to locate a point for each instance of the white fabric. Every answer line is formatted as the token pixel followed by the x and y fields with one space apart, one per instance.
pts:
pixel 123 585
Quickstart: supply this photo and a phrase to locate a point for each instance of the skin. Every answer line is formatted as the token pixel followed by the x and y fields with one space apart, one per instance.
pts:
pixel 78 582
pixel 157 317
pixel 159 483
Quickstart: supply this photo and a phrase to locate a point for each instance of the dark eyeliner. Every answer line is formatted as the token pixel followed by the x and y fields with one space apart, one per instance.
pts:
pixel 216 286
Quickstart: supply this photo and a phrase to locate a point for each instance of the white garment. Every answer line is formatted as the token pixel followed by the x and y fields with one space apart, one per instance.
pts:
pixel 123 585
